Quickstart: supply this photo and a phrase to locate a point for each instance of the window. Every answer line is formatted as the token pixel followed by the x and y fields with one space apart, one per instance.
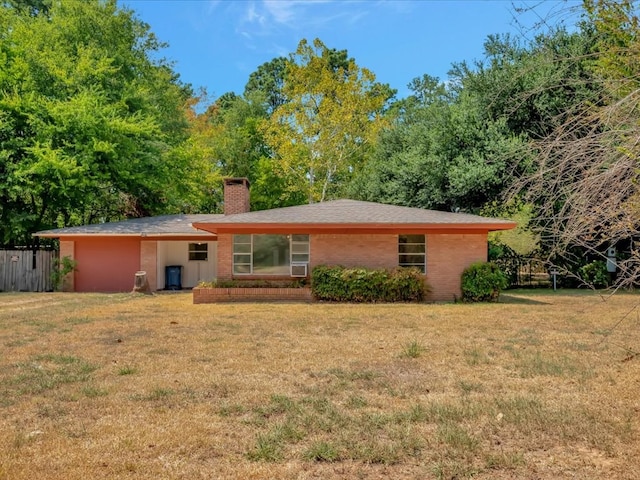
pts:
pixel 271 255
pixel 198 251
pixel 412 252
pixel 299 248
pixel 268 254
pixel 242 254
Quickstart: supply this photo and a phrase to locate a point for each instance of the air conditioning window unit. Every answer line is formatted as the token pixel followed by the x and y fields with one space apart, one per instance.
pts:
pixel 299 269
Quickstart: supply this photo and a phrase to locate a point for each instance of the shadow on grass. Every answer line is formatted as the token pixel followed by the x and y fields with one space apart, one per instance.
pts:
pixel 530 295
pixel 515 299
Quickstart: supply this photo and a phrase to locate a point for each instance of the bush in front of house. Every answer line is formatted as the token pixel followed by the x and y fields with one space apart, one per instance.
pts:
pixel 483 282
pixel 595 274
pixel 363 285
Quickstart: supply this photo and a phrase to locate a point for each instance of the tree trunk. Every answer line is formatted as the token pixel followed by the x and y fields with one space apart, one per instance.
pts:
pixel 141 285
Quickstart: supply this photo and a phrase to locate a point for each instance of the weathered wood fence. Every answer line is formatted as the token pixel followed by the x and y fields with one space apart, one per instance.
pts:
pixel 27 270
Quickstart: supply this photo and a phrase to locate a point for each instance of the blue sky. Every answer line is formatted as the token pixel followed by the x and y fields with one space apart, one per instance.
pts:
pixel 217 44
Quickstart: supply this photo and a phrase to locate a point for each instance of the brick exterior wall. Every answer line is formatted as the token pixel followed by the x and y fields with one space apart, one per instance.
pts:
pixel 67 249
pixel 447 257
pixel 149 262
pixel 236 195
pixel 372 251
pixel 225 257
pixel 216 295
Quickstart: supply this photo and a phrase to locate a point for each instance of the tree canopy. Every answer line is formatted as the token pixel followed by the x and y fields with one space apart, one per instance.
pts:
pixel 88 120
pixel 321 135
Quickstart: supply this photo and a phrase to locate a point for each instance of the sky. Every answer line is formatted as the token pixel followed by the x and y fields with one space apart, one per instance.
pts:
pixel 217 44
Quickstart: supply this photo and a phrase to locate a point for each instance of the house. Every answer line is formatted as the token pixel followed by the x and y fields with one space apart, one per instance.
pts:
pixel 276 244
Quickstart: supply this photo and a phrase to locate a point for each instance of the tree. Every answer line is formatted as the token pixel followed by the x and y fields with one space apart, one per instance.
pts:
pixel 320 137
pixel 268 80
pixel 442 152
pixel 89 123
pixel 586 180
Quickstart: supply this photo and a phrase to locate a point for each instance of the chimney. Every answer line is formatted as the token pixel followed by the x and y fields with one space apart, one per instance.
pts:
pixel 236 195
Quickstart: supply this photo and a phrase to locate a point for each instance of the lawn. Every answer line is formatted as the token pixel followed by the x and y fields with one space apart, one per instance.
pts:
pixel 539 386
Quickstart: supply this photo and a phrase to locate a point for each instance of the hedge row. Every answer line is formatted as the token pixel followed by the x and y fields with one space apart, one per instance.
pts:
pixel 340 284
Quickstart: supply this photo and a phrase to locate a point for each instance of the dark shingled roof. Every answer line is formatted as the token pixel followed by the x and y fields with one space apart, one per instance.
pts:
pixel 336 212
pixel 353 212
pixel 152 226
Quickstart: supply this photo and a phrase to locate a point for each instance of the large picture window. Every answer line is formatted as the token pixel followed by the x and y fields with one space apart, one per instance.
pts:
pixel 412 252
pixel 268 254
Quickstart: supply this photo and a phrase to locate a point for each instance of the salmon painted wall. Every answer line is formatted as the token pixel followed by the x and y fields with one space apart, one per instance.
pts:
pixel 106 264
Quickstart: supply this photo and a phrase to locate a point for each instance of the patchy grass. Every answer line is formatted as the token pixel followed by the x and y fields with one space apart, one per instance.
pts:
pixel 120 386
pixel 413 349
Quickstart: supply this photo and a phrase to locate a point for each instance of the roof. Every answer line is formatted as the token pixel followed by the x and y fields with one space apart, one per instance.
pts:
pixel 163 225
pixel 351 214
pixel 340 216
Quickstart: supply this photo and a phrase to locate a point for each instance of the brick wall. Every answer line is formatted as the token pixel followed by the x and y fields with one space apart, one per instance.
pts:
pixel 67 249
pixel 372 251
pixel 225 257
pixel 236 195
pixel 215 295
pixel 447 257
pixel 149 262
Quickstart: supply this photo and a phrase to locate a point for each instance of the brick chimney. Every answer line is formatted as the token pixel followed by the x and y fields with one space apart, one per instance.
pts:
pixel 236 195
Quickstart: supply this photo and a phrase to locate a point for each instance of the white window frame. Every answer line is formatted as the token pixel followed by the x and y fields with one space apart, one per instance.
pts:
pixel 295 257
pixel 242 254
pixel 420 266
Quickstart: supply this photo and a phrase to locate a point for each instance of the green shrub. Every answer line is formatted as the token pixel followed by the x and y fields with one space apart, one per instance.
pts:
pixel 482 282
pixel 595 274
pixel 340 284
pixel 64 267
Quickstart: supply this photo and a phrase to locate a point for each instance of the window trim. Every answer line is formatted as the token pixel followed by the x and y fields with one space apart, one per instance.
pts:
pixel 298 259
pixel 420 266
pixel 194 251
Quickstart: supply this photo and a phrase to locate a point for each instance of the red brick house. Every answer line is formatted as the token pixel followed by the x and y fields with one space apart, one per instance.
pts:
pixel 279 243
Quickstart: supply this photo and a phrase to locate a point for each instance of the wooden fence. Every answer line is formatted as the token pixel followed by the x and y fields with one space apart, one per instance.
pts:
pixel 27 270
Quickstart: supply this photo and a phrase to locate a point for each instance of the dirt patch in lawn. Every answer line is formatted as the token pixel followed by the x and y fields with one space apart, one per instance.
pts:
pixel 120 386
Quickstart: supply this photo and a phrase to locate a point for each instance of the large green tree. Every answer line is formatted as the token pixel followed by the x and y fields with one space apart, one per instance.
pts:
pixel 90 124
pixel 442 152
pixel 465 144
pixel 229 131
pixel 320 137
pixel 268 82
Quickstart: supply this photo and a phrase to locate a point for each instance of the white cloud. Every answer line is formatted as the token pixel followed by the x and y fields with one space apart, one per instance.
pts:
pixel 282 12
pixel 292 13
pixel 296 15
pixel 253 16
pixel 275 26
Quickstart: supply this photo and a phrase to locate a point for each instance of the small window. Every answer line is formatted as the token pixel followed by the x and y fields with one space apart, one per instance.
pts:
pixel 299 249
pixel 242 254
pixel 199 251
pixel 412 252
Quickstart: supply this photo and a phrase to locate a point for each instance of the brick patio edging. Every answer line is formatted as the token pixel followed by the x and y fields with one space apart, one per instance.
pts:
pixel 251 294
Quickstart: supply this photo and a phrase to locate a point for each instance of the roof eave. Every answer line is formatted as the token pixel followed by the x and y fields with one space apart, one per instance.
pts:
pixel 217 228
pixel 195 233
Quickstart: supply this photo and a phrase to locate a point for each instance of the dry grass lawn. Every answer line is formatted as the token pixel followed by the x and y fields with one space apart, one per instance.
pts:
pixel 539 386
